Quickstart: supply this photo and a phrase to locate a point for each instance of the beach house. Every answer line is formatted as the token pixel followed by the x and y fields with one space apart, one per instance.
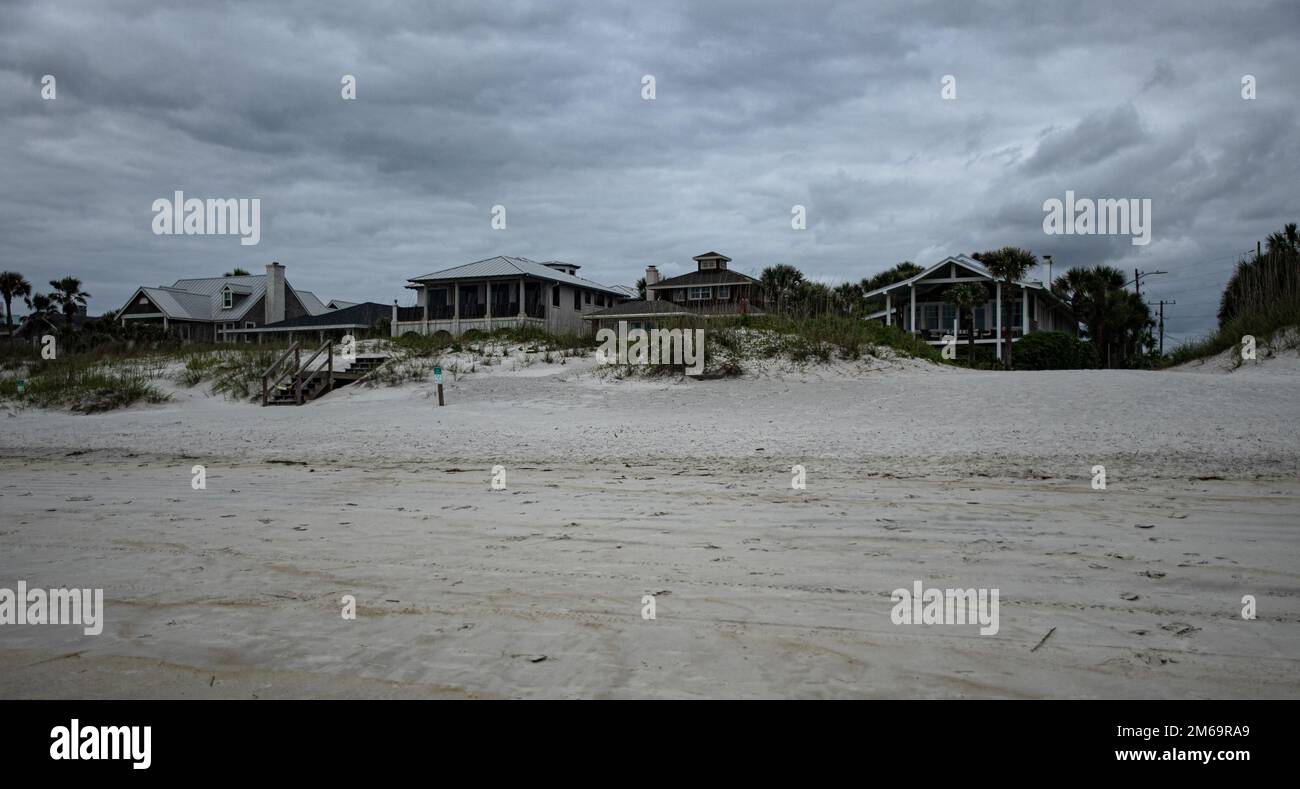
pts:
pixel 501 292
pixel 917 305
pixel 711 289
pixel 216 309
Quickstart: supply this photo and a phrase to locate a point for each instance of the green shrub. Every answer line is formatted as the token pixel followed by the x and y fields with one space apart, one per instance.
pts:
pixel 1052 350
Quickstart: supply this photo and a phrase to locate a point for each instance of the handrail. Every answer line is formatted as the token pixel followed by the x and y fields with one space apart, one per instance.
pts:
pixel 268 385
pixel 277 363
pixel 300 382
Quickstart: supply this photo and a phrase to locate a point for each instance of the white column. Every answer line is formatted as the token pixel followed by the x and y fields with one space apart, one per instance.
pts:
pixel 488 306
pixel 424 291
pixel 521 299
pixel 997 331
pixel 394 322
pixel 1024 311
pixel 912 318
pixel 889 310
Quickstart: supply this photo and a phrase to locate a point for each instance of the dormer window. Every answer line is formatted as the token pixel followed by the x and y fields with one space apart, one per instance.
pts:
pixel 708 264
pixel 227 299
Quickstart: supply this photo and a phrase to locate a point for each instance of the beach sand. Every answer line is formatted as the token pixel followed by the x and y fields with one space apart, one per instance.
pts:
pixel 682 490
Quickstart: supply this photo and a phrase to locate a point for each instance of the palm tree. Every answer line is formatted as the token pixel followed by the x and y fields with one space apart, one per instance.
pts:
pixel 1097 297
pixel 13 284
pixel 238 272
pixel 69 296
pixel 640 288
pixel 779 283
pixel 848 297
pixel 898 273
pixel 966 297
pixel 42 309
pixel 1009 265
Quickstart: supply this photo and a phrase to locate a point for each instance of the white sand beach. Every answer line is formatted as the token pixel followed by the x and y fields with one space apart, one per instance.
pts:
pixel 679 489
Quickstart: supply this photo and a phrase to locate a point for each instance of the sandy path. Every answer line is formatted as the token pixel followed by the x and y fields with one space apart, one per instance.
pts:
pixel 536 590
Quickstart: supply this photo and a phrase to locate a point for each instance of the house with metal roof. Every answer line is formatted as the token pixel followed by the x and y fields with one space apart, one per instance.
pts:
pixel 712 289
pixel 916 304
pixel 501 292
pixel 216 309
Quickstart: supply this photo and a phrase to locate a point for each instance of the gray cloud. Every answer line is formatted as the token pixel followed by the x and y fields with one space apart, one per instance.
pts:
pixel 536 106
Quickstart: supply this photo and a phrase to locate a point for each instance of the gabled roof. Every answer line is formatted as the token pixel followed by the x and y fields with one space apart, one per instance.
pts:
pixel 200 299
pixel 503 266
pixel 966 262
pixel 626 290
pixel 177 304
pixel 711 255
pixel 961 260
pixel 338 304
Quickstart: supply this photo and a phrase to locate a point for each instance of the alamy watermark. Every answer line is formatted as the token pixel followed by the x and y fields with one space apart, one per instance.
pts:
pixel 128 743
pixel 922 606
pixel 25 606
pixel 1085 216
pixel 683 347
pixel 194 217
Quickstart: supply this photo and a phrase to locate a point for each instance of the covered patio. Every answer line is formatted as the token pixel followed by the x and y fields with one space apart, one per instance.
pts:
pixel 917 305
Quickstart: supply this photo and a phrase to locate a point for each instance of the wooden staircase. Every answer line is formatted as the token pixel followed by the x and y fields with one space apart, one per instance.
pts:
pixel 298 383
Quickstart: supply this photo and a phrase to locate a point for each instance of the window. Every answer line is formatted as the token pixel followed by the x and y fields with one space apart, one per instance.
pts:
pixel 555 295
pixel 707 264
pixel 679 294
pixel 227 299
pixel 250 325
pixel 931 317
pixel 600 299
pixel 724 291
pixel 577 299
pixel 143 300
pixel 700 294
pixel 588 296
pixel 949 314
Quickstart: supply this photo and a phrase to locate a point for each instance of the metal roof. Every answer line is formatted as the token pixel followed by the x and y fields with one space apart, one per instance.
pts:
pixel 199 298
pixel 357 316
pixel 720 276
pixel 309 301
pixel 503 266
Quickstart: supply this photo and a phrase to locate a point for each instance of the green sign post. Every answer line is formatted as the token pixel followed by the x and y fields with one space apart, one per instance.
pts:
pixel 437 379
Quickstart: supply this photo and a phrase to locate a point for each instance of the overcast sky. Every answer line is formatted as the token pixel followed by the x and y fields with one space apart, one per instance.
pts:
pixel 538 107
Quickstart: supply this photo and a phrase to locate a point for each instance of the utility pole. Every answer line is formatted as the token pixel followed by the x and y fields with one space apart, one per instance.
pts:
pixel 1162 324
pixel 1137 278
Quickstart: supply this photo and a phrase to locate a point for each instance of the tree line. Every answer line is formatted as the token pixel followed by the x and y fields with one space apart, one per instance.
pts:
pixel 65 297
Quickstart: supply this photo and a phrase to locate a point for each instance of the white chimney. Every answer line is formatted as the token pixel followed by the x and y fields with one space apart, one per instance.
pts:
pixel 274 292
pixel 651 277
pixel 1047 264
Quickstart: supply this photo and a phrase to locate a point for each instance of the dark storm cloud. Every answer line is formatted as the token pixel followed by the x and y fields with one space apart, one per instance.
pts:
pixel 536 106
